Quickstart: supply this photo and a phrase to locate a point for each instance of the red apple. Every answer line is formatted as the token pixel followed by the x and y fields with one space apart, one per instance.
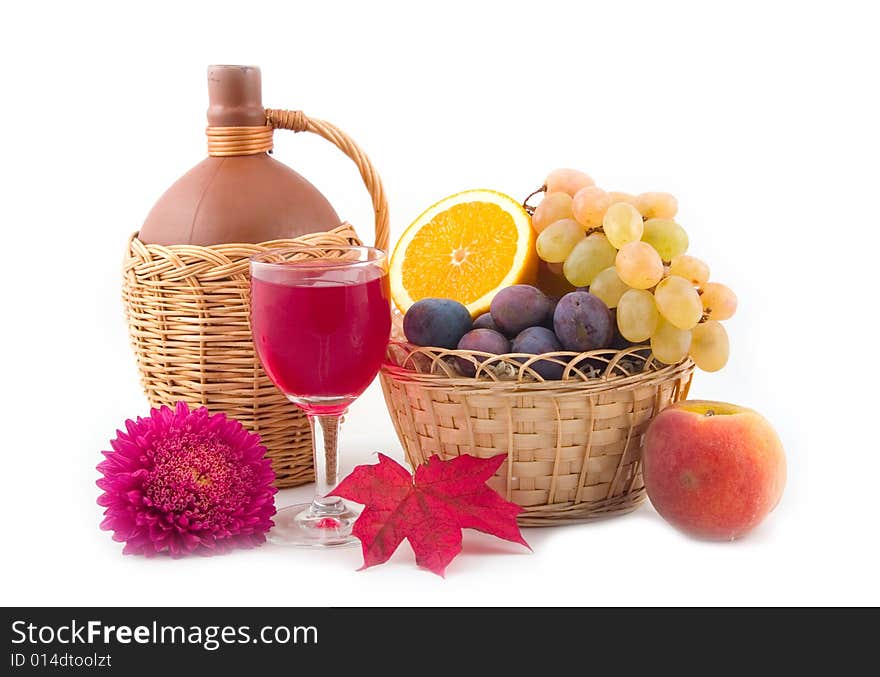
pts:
pixel 712 469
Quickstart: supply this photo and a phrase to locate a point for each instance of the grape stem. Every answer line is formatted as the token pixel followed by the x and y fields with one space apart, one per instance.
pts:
pixel 526 205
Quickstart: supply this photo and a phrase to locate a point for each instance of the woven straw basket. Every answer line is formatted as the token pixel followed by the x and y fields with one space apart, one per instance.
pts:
pixel 574 446
pixel 188 313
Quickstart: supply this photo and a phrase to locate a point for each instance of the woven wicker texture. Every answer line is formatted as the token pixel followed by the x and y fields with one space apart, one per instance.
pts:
pixel 574 446
pixel 188 311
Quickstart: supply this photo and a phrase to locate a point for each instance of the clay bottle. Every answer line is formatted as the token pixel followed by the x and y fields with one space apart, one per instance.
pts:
pixel 240 198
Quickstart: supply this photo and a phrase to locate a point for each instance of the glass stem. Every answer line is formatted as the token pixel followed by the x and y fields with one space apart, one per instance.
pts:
pixel 325 433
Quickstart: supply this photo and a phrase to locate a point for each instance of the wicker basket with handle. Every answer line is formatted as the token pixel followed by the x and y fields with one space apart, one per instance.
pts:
pixel 574 446
pixel 188 310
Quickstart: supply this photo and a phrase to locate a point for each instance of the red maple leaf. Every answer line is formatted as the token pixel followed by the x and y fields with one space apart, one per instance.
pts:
pixel 429 510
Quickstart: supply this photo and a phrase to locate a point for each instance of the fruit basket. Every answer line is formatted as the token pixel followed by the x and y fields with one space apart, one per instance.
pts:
pixel 552 334
pixel 574 445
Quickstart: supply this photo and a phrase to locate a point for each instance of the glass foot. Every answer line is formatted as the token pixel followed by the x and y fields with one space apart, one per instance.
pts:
pixel 300 525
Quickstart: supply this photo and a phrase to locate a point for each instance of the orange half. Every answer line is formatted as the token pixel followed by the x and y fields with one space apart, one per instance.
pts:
pixel 466 247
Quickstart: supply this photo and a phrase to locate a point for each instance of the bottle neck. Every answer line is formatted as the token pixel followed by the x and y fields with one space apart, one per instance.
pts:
pixel 235 97
pixel 237 123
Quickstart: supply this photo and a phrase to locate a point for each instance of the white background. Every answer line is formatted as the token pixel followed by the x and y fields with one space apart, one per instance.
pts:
pixel 761 117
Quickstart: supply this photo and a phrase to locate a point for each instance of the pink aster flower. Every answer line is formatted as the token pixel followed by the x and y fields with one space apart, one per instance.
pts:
pixel 182 481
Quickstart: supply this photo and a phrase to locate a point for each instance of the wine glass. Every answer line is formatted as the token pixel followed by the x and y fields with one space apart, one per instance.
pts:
pixel 321 319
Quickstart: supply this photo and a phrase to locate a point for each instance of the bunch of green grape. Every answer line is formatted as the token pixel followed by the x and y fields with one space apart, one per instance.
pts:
pixel 631 253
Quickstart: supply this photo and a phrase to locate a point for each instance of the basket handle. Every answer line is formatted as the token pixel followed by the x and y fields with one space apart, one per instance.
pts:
pixel 297 121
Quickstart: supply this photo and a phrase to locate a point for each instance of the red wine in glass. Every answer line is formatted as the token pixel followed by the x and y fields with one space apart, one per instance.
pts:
pixel 321 319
